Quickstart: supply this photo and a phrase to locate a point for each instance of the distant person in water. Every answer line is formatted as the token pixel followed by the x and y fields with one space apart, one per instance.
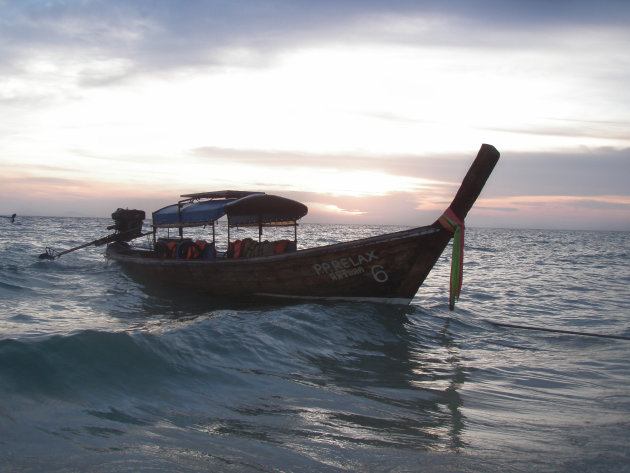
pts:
pixel 12 218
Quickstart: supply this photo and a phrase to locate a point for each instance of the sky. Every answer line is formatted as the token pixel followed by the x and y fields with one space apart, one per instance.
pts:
pixel 367 111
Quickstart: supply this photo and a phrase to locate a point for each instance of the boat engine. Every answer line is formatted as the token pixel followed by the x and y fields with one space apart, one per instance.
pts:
pixel 127 223
pixel 128 226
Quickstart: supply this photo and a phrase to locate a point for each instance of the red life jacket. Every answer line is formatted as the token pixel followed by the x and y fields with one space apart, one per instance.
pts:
pixel 187 249
pixel 172 249
pixel 280 247
pixel 238 248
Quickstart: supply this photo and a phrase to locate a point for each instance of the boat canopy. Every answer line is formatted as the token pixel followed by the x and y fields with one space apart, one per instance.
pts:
pixel 242 209
pixel 264 210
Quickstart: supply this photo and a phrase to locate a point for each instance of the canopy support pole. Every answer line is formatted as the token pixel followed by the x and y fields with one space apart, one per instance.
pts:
pixel 214 242
pixel 179 220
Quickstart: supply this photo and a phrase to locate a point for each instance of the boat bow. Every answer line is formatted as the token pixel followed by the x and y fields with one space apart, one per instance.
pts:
pixel 453 218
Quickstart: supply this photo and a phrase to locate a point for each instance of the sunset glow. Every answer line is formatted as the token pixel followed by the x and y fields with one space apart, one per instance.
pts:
pixel 387 104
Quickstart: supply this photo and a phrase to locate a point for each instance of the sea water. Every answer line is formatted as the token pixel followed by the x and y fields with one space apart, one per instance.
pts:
pixel 101 374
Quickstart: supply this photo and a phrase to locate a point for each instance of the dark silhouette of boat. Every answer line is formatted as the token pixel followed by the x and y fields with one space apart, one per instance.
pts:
pixel 384 268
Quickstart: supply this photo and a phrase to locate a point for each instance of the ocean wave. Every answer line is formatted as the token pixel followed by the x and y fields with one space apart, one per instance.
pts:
pixel 88 361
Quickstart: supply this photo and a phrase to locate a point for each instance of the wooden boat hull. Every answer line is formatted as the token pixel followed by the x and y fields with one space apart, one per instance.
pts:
pixel 387 268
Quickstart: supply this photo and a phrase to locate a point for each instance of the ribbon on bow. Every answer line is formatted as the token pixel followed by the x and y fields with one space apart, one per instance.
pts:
pixel 452 223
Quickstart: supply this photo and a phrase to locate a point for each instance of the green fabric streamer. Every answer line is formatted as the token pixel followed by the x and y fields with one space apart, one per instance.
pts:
pixel 457 260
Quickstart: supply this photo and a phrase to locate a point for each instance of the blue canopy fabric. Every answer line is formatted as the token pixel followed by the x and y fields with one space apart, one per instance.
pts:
pixel 197 213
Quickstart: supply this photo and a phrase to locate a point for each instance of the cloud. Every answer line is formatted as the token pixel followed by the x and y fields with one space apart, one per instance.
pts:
pixel 332 209
pixel 164 33
pixel 586 172
pixel 435 169
pixel 607 202
pixel 54 51
pixel 334 174
pixel 608 212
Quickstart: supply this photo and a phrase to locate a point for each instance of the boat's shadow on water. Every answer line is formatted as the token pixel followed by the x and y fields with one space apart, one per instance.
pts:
pixel 131 296
pixel 405 376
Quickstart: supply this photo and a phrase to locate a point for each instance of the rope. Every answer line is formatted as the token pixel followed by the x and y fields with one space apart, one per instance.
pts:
pixel 555 330
pixel 451 222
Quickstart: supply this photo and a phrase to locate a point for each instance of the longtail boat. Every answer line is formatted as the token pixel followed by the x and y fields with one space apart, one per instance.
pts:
pixel 386 268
